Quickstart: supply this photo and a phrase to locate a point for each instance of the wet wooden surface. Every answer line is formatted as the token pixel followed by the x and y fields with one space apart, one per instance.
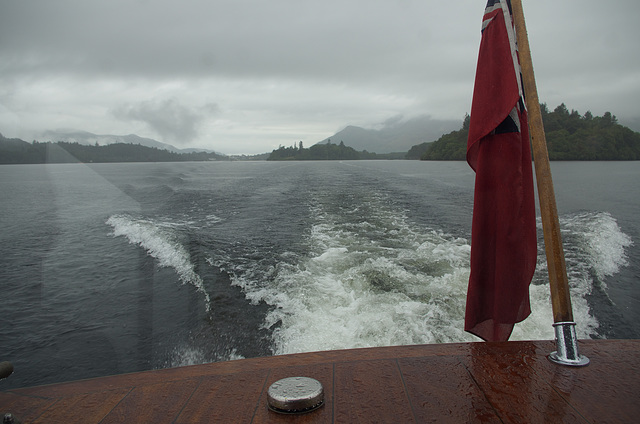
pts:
pixel 509 382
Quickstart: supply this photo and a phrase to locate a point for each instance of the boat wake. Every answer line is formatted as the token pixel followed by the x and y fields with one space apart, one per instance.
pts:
pixel 384 280
pixel 160 241
pixel 182 356
pixel 369 276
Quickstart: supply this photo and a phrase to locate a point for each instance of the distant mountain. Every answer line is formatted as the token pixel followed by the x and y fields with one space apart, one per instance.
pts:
pixel 396 135
pixel 17 151
pixel 87 138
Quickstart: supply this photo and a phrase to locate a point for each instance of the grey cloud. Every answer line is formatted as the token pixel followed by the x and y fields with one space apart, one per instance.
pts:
pixel 288 69
pixel 173 121
pixel 280 38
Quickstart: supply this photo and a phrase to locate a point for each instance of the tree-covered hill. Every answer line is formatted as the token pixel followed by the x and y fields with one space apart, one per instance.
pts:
pixel 452 146
pixel 418 150
pixel 16 151
pixel 570 136
pixel 327 151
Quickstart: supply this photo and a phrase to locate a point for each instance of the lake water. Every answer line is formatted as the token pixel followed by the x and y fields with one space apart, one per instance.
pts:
pixel 113 268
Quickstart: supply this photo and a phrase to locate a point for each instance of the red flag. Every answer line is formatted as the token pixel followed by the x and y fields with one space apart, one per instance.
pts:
pixel 503 236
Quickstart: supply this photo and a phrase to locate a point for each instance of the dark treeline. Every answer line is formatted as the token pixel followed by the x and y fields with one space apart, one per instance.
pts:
pixel 328 151
pixel 570 136
pixel 16 151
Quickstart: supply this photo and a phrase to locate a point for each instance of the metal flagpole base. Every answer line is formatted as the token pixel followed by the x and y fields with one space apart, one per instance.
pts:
pixel 567 345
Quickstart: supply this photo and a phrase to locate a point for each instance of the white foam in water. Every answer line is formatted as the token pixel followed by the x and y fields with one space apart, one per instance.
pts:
pixel 374 283
pixel 603 241
pixel 213 218
pixel 157 239
pixel 188 355
pixel 594 246
pixel 384 281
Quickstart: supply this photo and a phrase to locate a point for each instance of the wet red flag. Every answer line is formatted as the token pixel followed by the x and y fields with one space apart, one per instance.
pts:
pixel 503 239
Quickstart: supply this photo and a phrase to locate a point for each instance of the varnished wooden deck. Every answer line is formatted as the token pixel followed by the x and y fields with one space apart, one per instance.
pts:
pixel 479 382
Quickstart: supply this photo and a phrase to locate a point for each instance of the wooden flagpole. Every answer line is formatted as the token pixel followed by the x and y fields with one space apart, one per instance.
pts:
pixel 558 281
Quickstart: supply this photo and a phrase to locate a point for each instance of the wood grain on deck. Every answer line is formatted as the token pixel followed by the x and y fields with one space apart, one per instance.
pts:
pixel 510 382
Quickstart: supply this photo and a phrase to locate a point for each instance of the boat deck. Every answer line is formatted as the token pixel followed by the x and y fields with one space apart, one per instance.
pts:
pixel 510 382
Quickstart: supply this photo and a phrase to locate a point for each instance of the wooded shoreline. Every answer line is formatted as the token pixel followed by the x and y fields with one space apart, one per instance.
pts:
pixel 570 137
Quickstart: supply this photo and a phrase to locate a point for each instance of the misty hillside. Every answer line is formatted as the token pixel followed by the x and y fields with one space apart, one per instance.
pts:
pixel 90 139
pixel 396 135
pixel 17 151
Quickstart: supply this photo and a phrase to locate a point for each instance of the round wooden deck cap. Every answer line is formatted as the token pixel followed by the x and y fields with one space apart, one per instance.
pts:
pixel 295 395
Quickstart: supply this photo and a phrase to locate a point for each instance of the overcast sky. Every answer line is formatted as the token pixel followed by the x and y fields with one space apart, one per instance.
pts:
pixel 244 76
